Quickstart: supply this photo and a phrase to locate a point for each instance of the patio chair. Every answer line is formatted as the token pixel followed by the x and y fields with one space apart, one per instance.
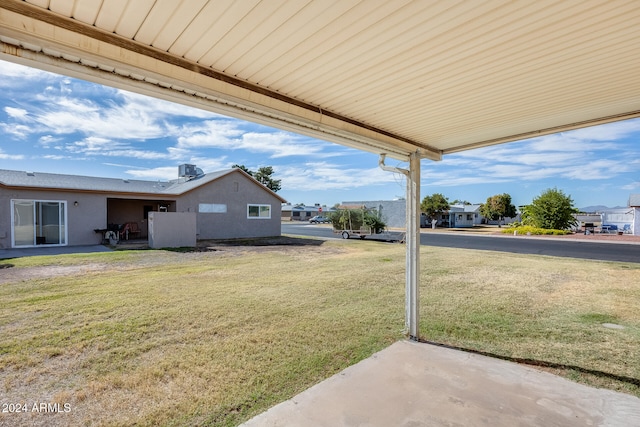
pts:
pixel 626 229
pixel 130 229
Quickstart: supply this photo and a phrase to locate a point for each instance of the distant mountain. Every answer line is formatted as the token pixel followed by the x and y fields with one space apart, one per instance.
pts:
pixel 598 208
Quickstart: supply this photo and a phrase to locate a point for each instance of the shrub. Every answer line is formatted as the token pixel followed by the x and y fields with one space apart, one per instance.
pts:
pixel 551 210
pixel 353 219
pixel 529 229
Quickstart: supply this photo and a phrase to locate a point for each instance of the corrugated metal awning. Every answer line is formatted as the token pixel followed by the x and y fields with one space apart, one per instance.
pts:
pixel 387 76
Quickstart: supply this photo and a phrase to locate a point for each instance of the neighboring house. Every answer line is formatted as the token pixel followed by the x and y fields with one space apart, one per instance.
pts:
pixel 303 213
pixel 462 216
pixel 59 210
pixel 614 219
pixel 620 219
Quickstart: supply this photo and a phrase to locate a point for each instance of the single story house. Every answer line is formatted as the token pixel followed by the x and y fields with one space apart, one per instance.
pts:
pixel 620 219
pixel 625 220
pixel 463 216
pixel 60 210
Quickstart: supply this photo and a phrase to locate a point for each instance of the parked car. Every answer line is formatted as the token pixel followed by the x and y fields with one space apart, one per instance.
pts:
pixel 319 219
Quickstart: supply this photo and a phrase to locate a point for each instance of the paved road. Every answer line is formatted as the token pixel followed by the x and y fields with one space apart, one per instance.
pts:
pixel 522 245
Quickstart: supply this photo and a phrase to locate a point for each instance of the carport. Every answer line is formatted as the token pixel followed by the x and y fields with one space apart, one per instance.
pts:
pixel 407 80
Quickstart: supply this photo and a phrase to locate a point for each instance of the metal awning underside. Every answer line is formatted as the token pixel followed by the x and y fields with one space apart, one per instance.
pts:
pixel 386 76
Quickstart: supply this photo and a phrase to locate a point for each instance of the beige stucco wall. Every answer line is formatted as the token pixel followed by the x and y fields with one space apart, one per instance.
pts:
pixel 236 191
pixel 172 229
pixel 90 213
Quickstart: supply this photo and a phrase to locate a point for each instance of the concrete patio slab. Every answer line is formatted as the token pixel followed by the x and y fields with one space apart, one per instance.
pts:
pixel 415 384
pixel 51 250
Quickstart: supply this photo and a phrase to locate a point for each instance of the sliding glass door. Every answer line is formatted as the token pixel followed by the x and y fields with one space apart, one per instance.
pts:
pixel 39 222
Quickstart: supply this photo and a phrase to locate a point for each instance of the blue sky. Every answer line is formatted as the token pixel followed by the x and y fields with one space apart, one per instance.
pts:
pixel 53 123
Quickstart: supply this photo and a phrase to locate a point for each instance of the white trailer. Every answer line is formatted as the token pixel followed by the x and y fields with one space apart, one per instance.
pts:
pixel 362 232
pixel 390 236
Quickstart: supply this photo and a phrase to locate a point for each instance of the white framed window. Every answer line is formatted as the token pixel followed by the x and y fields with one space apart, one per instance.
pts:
pixel 258 211
pixel 212 208
pixel 38 222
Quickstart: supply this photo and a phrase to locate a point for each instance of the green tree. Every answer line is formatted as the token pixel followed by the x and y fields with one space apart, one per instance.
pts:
pixel 263 176
pixel 434 204
pixel 244 168
pixel 498 207
pixel 353 219
pixel 550 210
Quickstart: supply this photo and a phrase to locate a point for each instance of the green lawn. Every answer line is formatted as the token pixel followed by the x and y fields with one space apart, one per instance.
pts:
pixel 212 338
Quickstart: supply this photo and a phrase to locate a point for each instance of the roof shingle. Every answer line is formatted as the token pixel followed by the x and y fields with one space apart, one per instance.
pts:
pixel 52 181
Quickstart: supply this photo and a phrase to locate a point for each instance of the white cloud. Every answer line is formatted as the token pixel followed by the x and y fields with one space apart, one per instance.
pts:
pixel 209 134
pixel 632 186
pixel 178 153
pixel 55 157
pixel 609 132
pixel 130 116
pixel 96 146
pixel 73 115
pixel 14 73
pixel 16 113
pixel 164 173
pixel 326 176
pixel 92 145
pixel 16 130
pixel 161 107
pixel 137 154
pixel 5 156
pixel 587 155
pixel 208 164
pixel 452 178
pixel 229 135
pixel 280 144
pixel 47 141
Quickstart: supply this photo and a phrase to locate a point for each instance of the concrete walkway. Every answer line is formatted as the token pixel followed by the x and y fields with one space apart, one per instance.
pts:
pixel 51 250
pixel 415 384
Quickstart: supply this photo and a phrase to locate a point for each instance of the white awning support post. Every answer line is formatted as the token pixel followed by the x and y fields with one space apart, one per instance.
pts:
pixel 412 294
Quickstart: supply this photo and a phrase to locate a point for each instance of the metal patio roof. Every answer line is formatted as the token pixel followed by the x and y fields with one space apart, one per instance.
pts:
pixel 386 76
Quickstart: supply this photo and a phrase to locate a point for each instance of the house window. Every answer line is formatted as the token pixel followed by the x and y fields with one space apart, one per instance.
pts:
pixel 469 217
pixel 38 222
pixel 259 211
pixel 212 208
